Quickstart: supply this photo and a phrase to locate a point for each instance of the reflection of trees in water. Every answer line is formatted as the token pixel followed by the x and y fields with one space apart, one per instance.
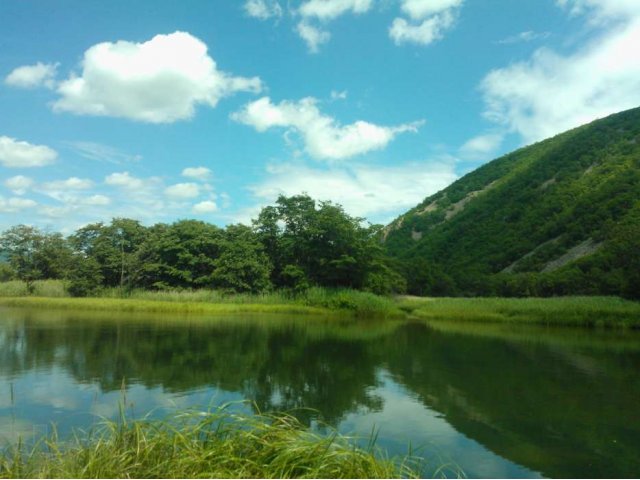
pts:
pixel 560 409
pixel 278 366
pixel 568 411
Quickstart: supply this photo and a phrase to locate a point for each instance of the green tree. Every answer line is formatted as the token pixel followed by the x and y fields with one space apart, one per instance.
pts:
pixel 85 278
pixel 242 266
pixel 180 255
pixel 114 247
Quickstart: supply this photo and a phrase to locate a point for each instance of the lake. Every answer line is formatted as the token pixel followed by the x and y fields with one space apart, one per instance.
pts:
pixel 492 401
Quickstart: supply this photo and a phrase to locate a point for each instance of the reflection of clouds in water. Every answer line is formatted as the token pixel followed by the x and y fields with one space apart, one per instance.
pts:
pixel 13 430
pixel 56 389
pixel 142 401
pixel 404 416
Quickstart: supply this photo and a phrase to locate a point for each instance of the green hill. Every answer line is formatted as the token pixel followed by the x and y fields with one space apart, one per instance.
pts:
pixel 558 217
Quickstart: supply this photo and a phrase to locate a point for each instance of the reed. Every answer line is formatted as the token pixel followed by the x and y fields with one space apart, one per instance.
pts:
pixel 213 444
pixel 606 312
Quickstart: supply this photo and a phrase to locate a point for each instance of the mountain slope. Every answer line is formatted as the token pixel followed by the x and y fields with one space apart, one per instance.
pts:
pixel 557 217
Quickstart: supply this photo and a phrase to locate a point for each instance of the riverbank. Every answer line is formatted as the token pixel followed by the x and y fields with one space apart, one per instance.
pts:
pixel 202 445
pixel 314 301
pixel 591 312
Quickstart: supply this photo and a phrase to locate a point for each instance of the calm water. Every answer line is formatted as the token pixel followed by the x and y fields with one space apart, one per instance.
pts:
pixel 493 402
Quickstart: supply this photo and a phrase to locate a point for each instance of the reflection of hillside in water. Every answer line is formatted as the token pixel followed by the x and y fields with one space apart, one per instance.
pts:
pixel 558 407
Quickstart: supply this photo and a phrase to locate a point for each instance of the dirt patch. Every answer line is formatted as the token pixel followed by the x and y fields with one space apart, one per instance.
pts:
pixel 581 250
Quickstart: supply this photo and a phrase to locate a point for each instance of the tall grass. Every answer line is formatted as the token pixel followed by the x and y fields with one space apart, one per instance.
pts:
pixel 314 300
pixel 608 312
pixel 202 445
pixel 42 288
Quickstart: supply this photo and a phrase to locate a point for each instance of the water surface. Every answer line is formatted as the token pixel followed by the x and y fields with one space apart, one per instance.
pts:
pixel 493 401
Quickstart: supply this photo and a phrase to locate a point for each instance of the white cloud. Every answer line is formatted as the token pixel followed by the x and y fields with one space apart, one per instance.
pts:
pixel 19 184
pixel 429 21
pixel 481 145
pixel 183 190
pixel 71 183
pixel 313 36
pixel 331 9
pixel 263 9
pixel 19 154
pixel 324 138
pixel 199 173
pixel 336 95
pixel 551 92
pixel 376 193
pixel 420 9
pixel 158 81
pixel 527 36
pixel 97 200
pixel 124 180
pixel 208 206
pixel 102 153
pixel 602 11
pixel 32 76
pixel 325 11
pixel 15 204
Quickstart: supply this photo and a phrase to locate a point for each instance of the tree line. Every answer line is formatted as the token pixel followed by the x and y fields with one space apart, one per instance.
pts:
pixel 295 244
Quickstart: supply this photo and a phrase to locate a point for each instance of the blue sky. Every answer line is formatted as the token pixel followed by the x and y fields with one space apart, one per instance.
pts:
pixel 161 110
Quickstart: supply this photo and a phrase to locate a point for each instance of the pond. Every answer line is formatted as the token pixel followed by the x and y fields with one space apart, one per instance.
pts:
pixel 493 401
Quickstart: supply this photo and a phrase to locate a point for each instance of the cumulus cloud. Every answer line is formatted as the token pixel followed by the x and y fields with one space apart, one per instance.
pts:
pixel 71 183
pixel 199 173
pixel 323 136
pixel 263 9
pixel 376 193
pixel 208 206
pixel 552 92
pixel 15 204
pixel 97 200
pixel 158 81
pixel 32 76
pixel 429 20
pixel 331 9
pixel 313 36
pixel 183 190
pixel 324 11
pixel 20 154
pixel 19 184
pixel 124 180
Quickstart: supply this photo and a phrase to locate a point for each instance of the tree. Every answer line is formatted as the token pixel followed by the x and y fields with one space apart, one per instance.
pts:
pixel 85 278
pixel 114 247
pixel 21 244
pixel 319 244
pixel 242 265
pixel 180 255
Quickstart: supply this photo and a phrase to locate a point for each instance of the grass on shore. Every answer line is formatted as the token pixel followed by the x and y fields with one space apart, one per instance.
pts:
pixel 607 312
pixel 52 294
pixel 202 445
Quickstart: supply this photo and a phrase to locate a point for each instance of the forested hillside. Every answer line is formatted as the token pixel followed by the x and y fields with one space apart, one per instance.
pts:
pixel 558 217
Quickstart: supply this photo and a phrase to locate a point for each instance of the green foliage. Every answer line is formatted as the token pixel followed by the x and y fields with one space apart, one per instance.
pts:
pixel 115 247
pixel 35 255
pixel 86 277
pixel 193 444
pixel 319 244
pixel 496 230
pixel 605 312
pixel 6 272
pixel 242 265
